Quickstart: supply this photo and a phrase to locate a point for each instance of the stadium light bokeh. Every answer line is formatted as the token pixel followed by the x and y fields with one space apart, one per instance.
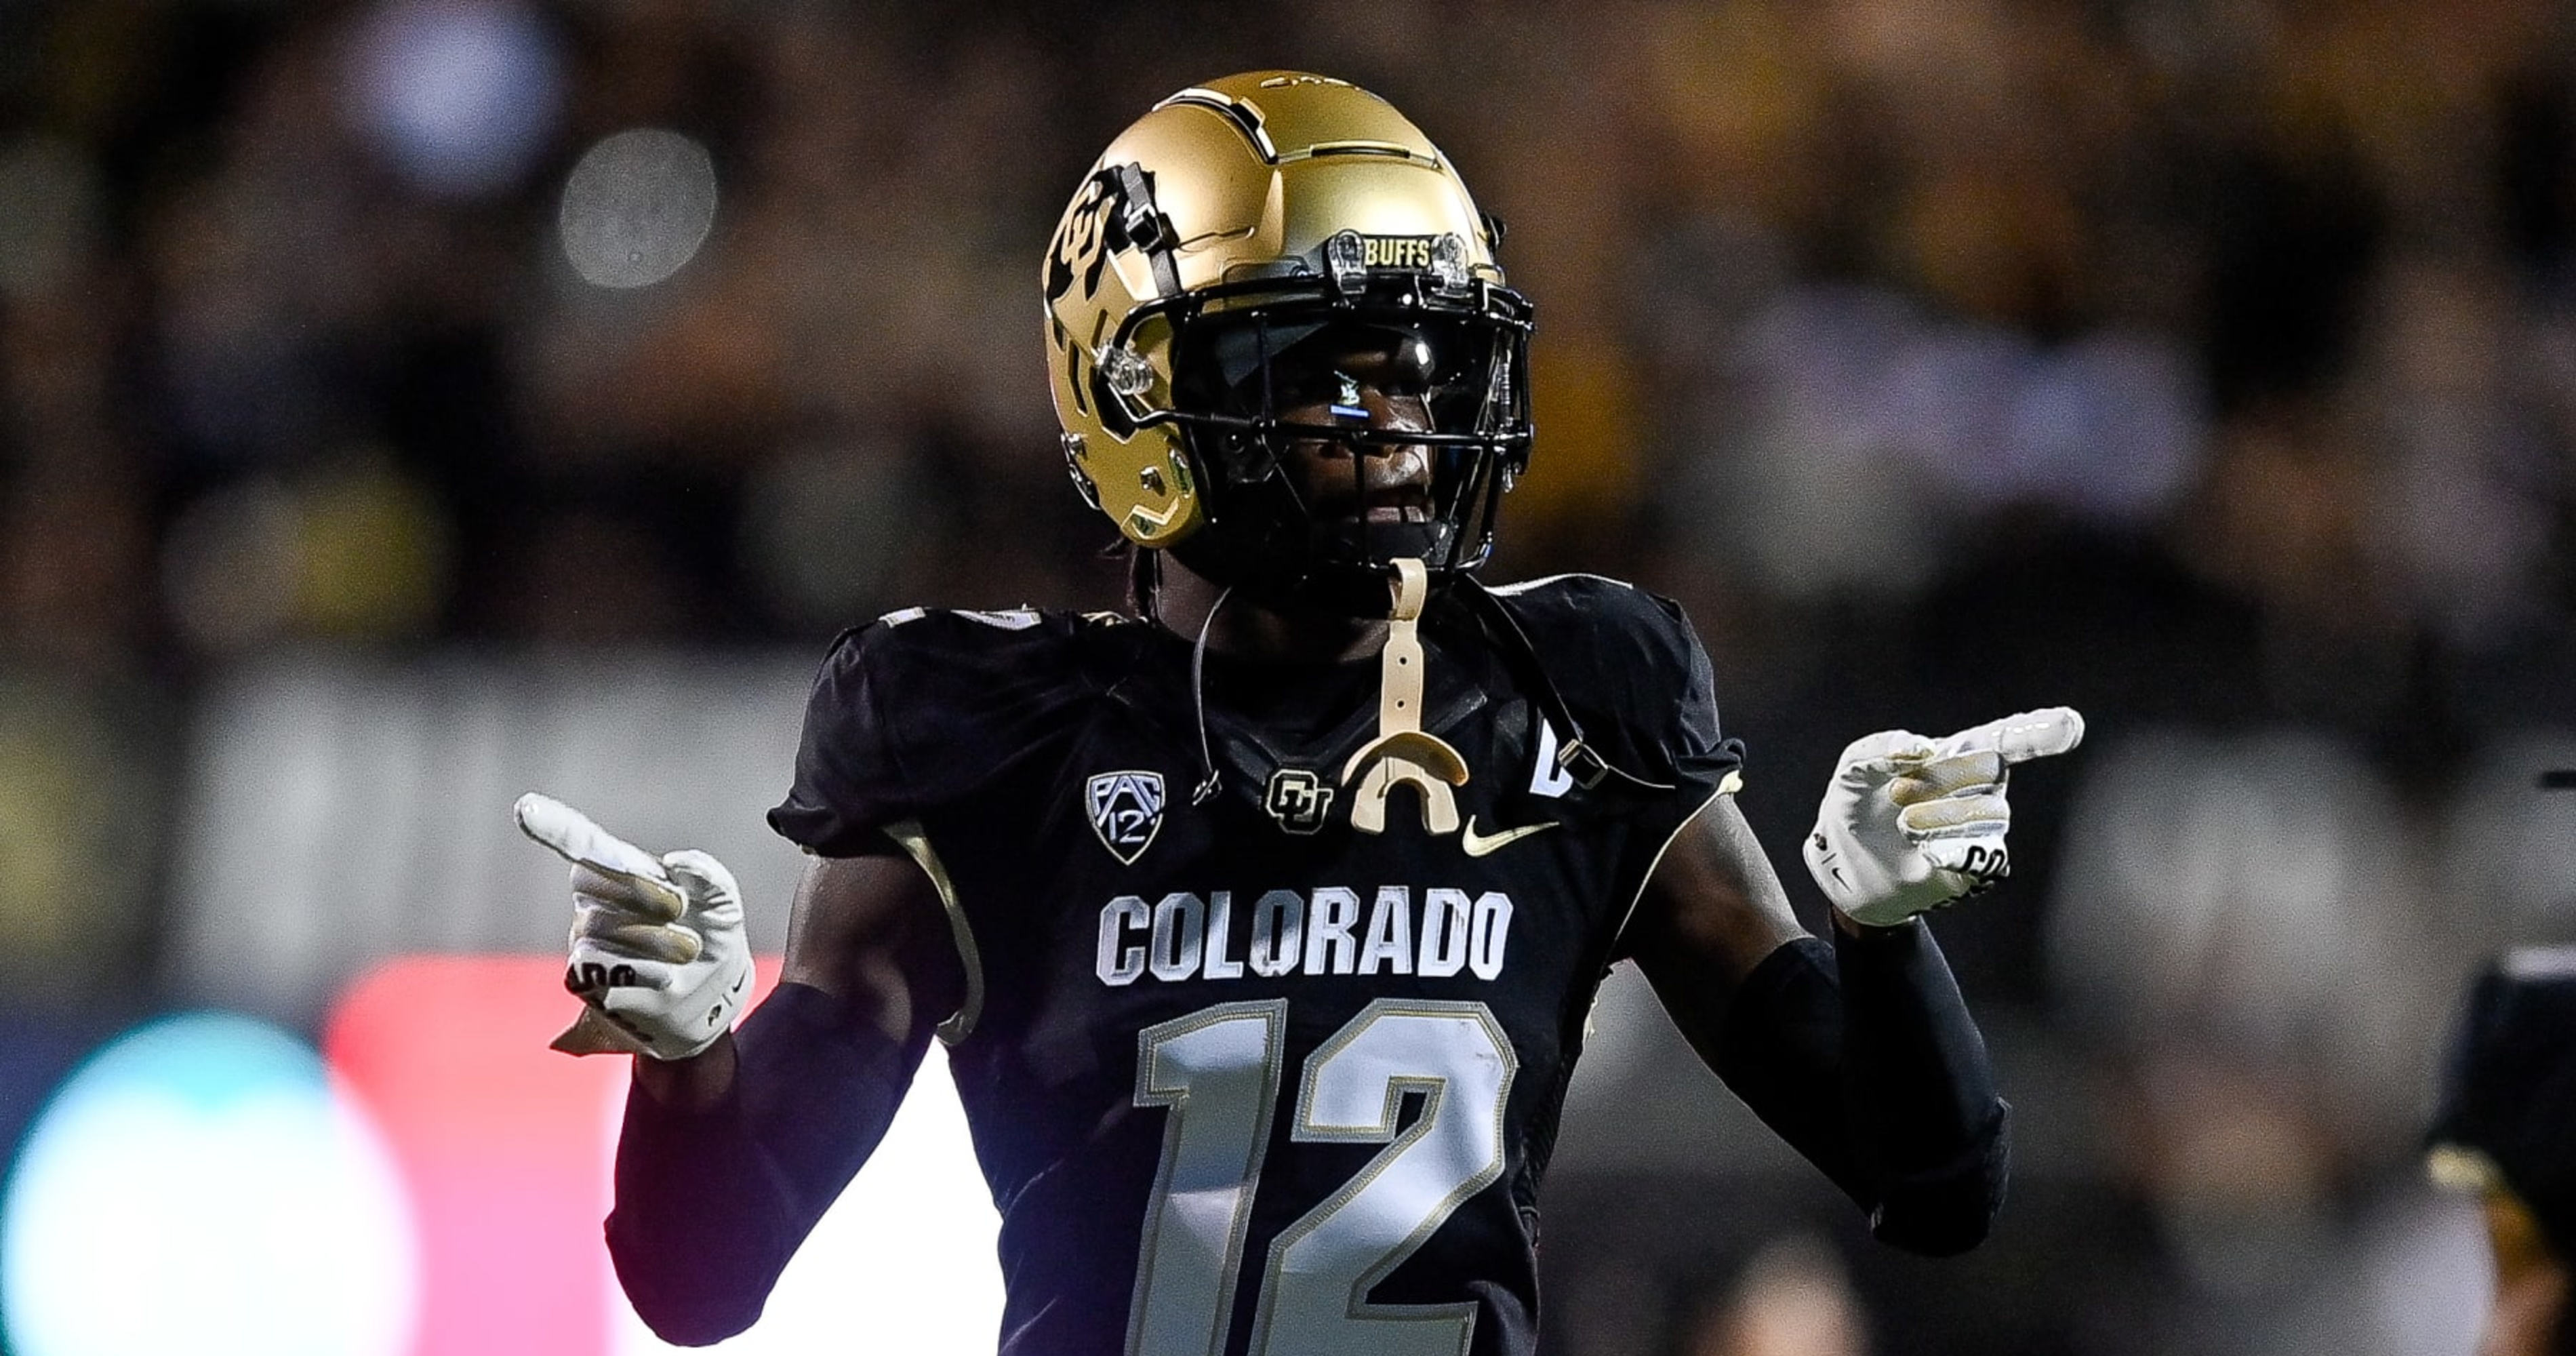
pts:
pixel 429 1183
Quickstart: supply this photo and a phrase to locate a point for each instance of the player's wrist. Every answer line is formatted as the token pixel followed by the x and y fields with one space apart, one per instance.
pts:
pixel 1860 929
pixel 1903 903
pixel 693 1084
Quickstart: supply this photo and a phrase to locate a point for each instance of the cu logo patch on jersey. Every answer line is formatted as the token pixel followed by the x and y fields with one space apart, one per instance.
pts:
pixel 1126 811
pixel 1298 799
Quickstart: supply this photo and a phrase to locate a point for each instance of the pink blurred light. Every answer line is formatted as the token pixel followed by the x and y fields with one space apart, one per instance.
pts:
pixel 499 1140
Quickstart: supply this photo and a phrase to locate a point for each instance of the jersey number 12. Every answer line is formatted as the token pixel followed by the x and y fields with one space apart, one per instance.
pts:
pixel 1218 1071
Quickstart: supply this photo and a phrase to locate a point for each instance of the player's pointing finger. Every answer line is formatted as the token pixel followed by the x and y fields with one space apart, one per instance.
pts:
pixel 572 835
pixel 2019 738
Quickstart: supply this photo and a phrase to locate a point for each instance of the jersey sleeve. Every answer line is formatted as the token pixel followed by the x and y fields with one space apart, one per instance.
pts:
pixel 920 712
pixel 849 782
pixel 1633 671
pixel 1678 733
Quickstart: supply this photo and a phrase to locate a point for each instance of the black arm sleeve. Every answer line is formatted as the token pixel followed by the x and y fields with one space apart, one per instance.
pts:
pixel 1863 1057
pixel 710 1205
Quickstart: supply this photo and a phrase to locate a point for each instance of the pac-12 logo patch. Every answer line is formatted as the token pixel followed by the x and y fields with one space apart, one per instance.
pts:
pixel 1298 799
pixel 1126 811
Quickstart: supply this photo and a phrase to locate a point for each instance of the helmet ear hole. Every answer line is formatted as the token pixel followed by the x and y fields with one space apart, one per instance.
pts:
pixel 1112 411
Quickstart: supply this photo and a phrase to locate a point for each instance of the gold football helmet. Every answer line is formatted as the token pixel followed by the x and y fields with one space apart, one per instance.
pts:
pixel 1234 223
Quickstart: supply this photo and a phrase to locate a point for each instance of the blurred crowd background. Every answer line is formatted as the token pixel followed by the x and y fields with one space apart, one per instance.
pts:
pixel 2208 365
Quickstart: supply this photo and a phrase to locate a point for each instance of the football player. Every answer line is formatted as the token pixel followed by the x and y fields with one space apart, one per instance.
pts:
pixel 2506 1129
pixel 1261 925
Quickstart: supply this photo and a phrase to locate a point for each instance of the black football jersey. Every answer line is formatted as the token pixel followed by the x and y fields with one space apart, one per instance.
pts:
pixel 1246 1081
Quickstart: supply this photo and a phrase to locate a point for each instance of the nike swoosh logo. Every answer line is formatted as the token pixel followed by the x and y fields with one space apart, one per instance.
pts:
pixel 1477 845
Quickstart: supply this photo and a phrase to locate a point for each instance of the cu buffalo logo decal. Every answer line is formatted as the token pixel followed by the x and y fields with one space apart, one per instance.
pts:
pixel 1126 811
pixel 1094 228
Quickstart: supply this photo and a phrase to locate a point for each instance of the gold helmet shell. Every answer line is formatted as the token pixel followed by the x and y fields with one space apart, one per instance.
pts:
pixel 1229 195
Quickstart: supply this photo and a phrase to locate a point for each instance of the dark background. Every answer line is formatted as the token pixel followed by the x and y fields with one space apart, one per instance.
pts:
pixel 2207 365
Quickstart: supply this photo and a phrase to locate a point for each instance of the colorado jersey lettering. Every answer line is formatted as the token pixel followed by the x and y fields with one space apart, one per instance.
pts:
pixel 1250 1080
pixel 1181 937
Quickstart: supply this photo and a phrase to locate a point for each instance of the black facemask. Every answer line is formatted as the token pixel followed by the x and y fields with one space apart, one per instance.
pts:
pixel 1248 358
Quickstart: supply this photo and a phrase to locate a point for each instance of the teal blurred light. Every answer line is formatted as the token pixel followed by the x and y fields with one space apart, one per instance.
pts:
pixel 202 1184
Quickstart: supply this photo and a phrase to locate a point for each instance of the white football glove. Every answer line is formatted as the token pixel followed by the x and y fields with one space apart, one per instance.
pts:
pixel 1910 823
pixel 658 954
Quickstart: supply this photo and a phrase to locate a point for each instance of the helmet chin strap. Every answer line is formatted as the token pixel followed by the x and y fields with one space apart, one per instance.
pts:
pixel 1402 753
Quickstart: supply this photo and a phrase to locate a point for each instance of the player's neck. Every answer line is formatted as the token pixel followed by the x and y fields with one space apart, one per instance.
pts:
pixel 1247 630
